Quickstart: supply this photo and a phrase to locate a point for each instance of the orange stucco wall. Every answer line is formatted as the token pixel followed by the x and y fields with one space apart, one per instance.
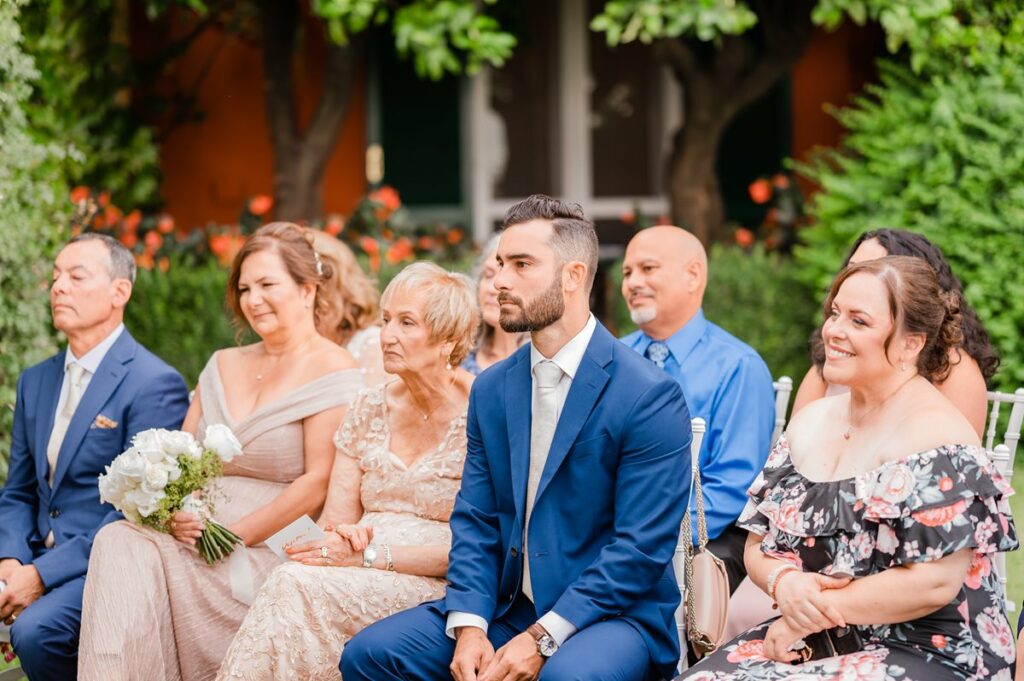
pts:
pixel 212 165
pixel 834 68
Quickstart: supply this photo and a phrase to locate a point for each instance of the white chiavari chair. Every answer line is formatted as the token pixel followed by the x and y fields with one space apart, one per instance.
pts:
pixel 1003 453
pixel 783 391
pixel 698 427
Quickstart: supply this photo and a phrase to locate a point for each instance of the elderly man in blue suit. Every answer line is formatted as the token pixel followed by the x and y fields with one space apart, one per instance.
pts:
pixel 574 487
pixel 75 412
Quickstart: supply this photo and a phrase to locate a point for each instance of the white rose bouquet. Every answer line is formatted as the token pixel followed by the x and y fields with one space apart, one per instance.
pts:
pixel 160 474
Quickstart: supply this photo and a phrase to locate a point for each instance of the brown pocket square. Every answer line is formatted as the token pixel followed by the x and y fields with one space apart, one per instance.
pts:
pixel 103 422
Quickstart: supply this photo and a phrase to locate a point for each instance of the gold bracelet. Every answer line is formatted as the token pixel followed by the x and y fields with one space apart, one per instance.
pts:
pixel 389 564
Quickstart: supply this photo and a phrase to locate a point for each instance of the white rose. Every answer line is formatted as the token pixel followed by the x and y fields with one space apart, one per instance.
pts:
pixel 222 442
pixel 157 477
pixel 131 465
pixel 147 502
pixel 111 491
pixel 177 443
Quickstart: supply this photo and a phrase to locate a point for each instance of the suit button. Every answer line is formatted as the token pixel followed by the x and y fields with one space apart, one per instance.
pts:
pixel 55 513
pixel 515 552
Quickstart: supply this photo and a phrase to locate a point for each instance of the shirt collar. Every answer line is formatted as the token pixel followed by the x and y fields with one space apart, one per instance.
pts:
pixel 570 355
pixel 683 341
pixel 91 361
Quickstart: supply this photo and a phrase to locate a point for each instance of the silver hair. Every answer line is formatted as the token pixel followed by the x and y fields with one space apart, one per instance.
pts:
pixel 122 262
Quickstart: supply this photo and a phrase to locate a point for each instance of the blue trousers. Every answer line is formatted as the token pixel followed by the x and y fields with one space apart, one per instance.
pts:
pixel 413 646
pixel 45 635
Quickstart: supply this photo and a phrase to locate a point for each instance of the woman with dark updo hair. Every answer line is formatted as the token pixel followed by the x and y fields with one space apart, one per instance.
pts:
pixel 153 608
pixel 972 362
pixel 875 521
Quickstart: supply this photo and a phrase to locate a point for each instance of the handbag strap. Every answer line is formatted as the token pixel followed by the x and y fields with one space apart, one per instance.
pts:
pixel 697 427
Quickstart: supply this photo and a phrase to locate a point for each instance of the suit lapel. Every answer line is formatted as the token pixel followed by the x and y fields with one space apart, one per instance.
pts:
pixel 586 388
pixel 108 377
pixel 518 402
pixel 49 394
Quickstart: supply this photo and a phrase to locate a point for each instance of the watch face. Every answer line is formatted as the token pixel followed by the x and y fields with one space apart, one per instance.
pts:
pixel 546 646
pixel 369 555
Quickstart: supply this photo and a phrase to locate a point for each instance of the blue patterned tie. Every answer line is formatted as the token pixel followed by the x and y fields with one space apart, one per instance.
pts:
pixel 657 352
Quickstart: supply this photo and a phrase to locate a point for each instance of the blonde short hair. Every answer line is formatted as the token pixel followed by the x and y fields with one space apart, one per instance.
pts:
pixel 352 295
pixel 449 304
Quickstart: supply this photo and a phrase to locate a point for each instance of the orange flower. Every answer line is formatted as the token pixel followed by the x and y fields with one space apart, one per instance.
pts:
pixel 374 263
pixel 165 224
pixel 455 236
pixel 369 245
pixel 939 641
pixel 132 220
pixel 163 264
pixel 628 218
pixel 387 234
pixel 780 181
pixel 747 650
pixel 934 517
pixel 425 243
pixel 760 191
pixel 129 239
pixel 335 225
pixel 99 222
pixel 399 251
pixel 220 244
pixel 79 194
pixel 104 199
pixel 112 215
pixel 744 237
pixel 946 483
pixel 144 260
pixel 260 204
pixel 153 241
pixel 387 197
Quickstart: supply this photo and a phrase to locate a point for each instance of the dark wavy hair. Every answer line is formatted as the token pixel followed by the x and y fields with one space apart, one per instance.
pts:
pixel 975 342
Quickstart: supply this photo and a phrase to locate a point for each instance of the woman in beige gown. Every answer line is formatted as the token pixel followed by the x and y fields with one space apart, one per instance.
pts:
pixel 398 468
pixel 152 608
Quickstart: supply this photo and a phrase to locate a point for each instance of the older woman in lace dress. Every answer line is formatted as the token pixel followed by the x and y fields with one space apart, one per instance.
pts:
pixel 398 467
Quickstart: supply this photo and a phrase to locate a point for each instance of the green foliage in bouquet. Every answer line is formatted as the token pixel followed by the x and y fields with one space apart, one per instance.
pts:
pixel 941 154
pixel 32 212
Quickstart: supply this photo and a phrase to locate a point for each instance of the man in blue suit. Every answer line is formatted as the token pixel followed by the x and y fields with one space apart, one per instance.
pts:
pixel 573 491
pixel 75 412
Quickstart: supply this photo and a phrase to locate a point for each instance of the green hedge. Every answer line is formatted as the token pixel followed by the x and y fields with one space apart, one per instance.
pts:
pixel 942 155
pixel 181 315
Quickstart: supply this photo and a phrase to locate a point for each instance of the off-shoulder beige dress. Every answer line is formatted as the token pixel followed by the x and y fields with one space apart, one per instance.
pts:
pixel 304 615
pixel 152 608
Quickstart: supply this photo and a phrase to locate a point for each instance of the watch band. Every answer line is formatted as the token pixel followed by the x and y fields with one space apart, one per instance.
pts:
pixel 537 631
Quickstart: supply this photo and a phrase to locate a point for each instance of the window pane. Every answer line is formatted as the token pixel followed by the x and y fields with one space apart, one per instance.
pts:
pixel 521 119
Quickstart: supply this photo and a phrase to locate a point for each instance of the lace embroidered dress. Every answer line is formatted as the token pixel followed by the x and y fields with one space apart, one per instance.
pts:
pixel 152 609
pixel 916 509
pixel 303 615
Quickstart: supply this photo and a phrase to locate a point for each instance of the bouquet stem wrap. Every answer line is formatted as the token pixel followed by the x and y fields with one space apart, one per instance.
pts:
pixel 216 541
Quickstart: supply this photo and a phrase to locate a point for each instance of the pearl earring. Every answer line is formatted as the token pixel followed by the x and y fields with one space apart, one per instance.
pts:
pixel 903 365
pixel 308 305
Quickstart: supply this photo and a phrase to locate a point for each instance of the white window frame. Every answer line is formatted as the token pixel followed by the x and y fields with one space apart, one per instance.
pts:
pixel 574 161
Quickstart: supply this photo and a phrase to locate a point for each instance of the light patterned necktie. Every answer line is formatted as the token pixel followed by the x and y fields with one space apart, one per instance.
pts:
pixel 63 418
pixel 657 352
pixel 546 376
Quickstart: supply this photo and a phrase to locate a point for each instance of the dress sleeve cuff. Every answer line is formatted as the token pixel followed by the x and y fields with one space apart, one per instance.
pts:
pixel 463 619
pixel 556 625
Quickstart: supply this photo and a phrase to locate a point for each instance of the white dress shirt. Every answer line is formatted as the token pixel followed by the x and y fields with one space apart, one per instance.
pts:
pixel 90 362
pixel 568 359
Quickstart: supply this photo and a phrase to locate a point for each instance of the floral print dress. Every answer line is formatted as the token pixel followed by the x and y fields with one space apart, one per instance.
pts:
pixel 916 509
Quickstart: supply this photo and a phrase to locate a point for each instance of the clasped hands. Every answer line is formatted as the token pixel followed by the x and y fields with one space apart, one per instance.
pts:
pixel 23 588
pixel 806 609
pixel 476 660
pixel 344 543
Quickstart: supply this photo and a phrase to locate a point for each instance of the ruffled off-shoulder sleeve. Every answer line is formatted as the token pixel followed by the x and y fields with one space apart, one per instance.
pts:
pixel 777 465
pixel 935 504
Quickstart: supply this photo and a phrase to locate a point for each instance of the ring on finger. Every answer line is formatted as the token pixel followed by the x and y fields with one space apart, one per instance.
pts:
pixel 323 552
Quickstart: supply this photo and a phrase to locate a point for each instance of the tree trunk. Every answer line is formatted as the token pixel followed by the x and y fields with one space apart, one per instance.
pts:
pixel 301 156
pixel 718 83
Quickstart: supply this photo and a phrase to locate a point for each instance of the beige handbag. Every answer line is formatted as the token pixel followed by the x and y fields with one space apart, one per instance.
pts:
pixel 707 582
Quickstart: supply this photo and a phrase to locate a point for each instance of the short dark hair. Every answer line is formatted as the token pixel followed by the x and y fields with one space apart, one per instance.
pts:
pixel 573 236
pixel 122 262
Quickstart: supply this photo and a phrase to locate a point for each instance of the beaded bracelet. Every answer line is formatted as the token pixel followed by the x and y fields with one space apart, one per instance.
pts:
pixel 389 564
pixel 773 581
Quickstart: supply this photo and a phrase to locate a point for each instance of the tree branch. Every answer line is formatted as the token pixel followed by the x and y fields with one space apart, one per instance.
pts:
pixel 280 22
pixel 332 109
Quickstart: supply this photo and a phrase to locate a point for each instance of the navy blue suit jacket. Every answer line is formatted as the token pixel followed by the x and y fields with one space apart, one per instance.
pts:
pixel 132 388
pixel 608 508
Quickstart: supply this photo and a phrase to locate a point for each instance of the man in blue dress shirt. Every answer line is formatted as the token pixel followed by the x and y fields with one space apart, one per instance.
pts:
pixel 724 380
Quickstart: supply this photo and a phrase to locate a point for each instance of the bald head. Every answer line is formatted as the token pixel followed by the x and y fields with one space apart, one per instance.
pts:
pixel 664 276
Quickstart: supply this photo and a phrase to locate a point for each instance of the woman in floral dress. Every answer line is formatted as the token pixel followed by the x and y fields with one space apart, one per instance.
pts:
pixel 878 510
